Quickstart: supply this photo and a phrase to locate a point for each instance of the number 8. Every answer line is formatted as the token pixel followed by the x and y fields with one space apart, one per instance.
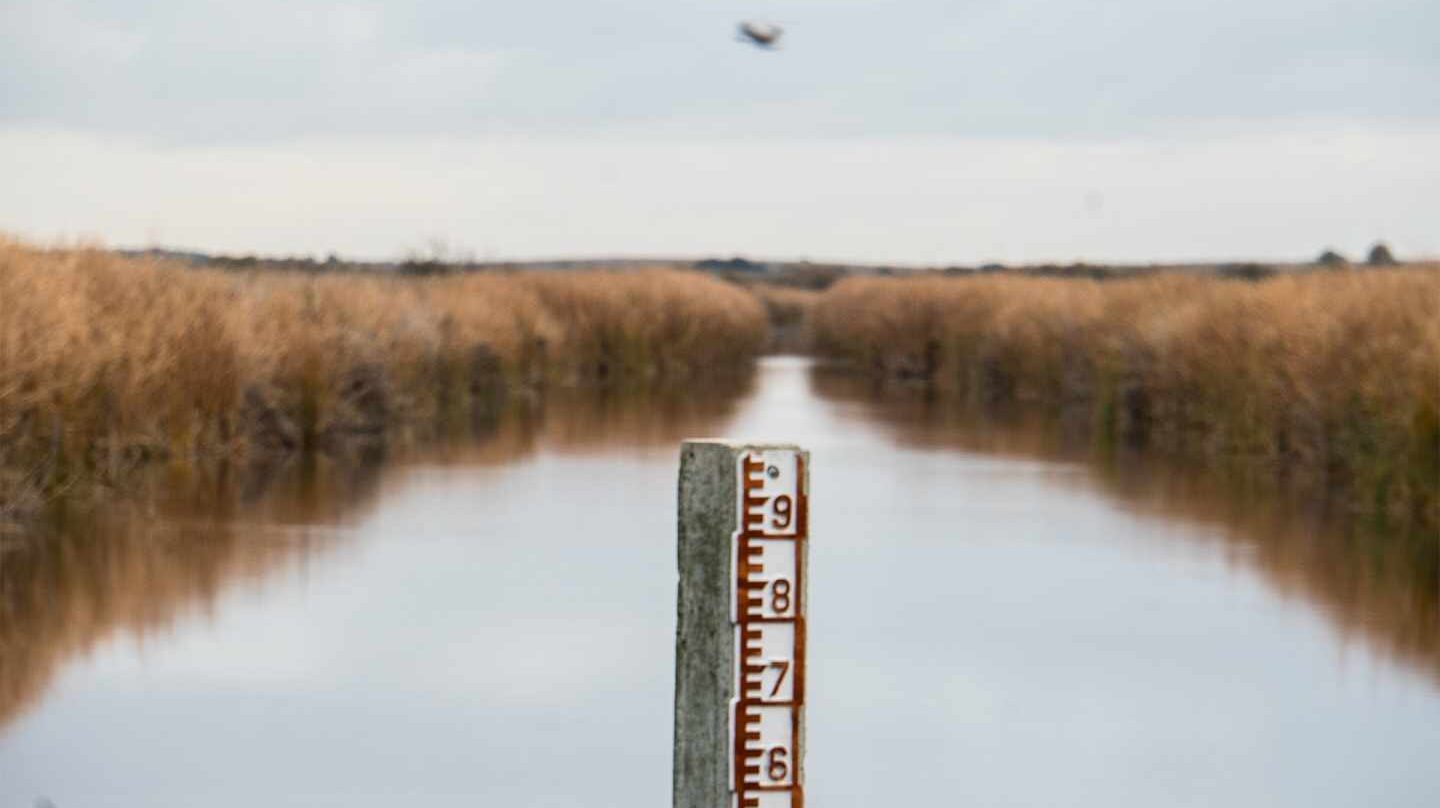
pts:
pixel 780 595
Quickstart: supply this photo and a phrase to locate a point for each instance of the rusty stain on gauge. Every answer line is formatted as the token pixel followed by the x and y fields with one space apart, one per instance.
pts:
pixel 768 611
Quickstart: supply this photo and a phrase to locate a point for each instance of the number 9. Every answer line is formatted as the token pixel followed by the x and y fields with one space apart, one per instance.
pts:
pixel 782 508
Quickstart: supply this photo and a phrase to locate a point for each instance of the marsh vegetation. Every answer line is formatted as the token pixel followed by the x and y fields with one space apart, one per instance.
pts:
pixel 1325 380
pixel 109 363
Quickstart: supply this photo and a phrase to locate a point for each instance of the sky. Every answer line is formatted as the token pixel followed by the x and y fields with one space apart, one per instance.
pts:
pixel 903 131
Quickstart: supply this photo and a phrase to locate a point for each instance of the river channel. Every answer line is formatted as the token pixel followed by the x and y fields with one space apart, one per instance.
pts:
pixel 996 619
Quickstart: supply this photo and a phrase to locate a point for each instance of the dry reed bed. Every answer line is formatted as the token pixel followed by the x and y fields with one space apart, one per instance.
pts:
pixel 1332 379
pixel 108 362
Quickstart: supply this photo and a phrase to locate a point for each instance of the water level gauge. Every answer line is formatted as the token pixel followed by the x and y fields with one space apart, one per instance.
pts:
pixel 768 610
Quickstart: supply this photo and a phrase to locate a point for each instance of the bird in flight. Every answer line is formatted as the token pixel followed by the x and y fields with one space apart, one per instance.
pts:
pixel 761 35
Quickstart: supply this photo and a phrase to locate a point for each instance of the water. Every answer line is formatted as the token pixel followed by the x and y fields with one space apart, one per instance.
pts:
pixel 993 623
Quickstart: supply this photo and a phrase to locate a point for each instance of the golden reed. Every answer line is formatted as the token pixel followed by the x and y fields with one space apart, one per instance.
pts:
pixel 1328 378
pixel 108 362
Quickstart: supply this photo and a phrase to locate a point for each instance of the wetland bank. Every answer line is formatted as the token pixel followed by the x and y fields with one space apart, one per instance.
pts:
pixel 439 560
pixel 110 364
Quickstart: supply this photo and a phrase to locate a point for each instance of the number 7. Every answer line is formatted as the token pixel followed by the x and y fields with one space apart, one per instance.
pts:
pixel 784 667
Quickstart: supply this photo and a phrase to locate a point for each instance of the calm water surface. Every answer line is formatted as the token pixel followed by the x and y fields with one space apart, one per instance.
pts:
pixel 993 623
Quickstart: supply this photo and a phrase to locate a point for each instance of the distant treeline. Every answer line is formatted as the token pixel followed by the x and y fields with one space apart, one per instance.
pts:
pixel 108 363
pixel 1328 379
pixel 793 274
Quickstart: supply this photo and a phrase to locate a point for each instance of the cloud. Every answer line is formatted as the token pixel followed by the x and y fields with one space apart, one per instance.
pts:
pixel 228 73
pixel 268 70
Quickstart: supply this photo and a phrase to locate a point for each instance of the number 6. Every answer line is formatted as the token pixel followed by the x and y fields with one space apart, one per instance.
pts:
pixel 775 764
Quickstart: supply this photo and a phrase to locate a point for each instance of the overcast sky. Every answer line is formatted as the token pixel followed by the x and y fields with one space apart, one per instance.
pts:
pixel 915 131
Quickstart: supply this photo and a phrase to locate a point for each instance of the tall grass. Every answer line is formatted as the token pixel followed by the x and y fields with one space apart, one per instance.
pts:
pixel 107 362
pixel 1328 378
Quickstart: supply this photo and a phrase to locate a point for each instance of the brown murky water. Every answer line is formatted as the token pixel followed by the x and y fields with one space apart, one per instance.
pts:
pixel 997 619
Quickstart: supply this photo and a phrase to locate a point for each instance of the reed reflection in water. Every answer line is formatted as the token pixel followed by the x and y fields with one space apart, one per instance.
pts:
pixel 186 539
pixel 1381 588
pixel 994 621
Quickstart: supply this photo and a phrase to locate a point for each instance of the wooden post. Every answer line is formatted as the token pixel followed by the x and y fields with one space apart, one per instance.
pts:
pixel 740 634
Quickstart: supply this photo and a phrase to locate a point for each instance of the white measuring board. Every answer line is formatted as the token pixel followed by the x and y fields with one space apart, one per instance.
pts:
pixel 767 716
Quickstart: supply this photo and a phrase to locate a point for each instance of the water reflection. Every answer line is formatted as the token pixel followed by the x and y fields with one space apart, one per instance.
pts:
pixel 66 590
pixel 185 537
pixel 491 621
pixel 1379 587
